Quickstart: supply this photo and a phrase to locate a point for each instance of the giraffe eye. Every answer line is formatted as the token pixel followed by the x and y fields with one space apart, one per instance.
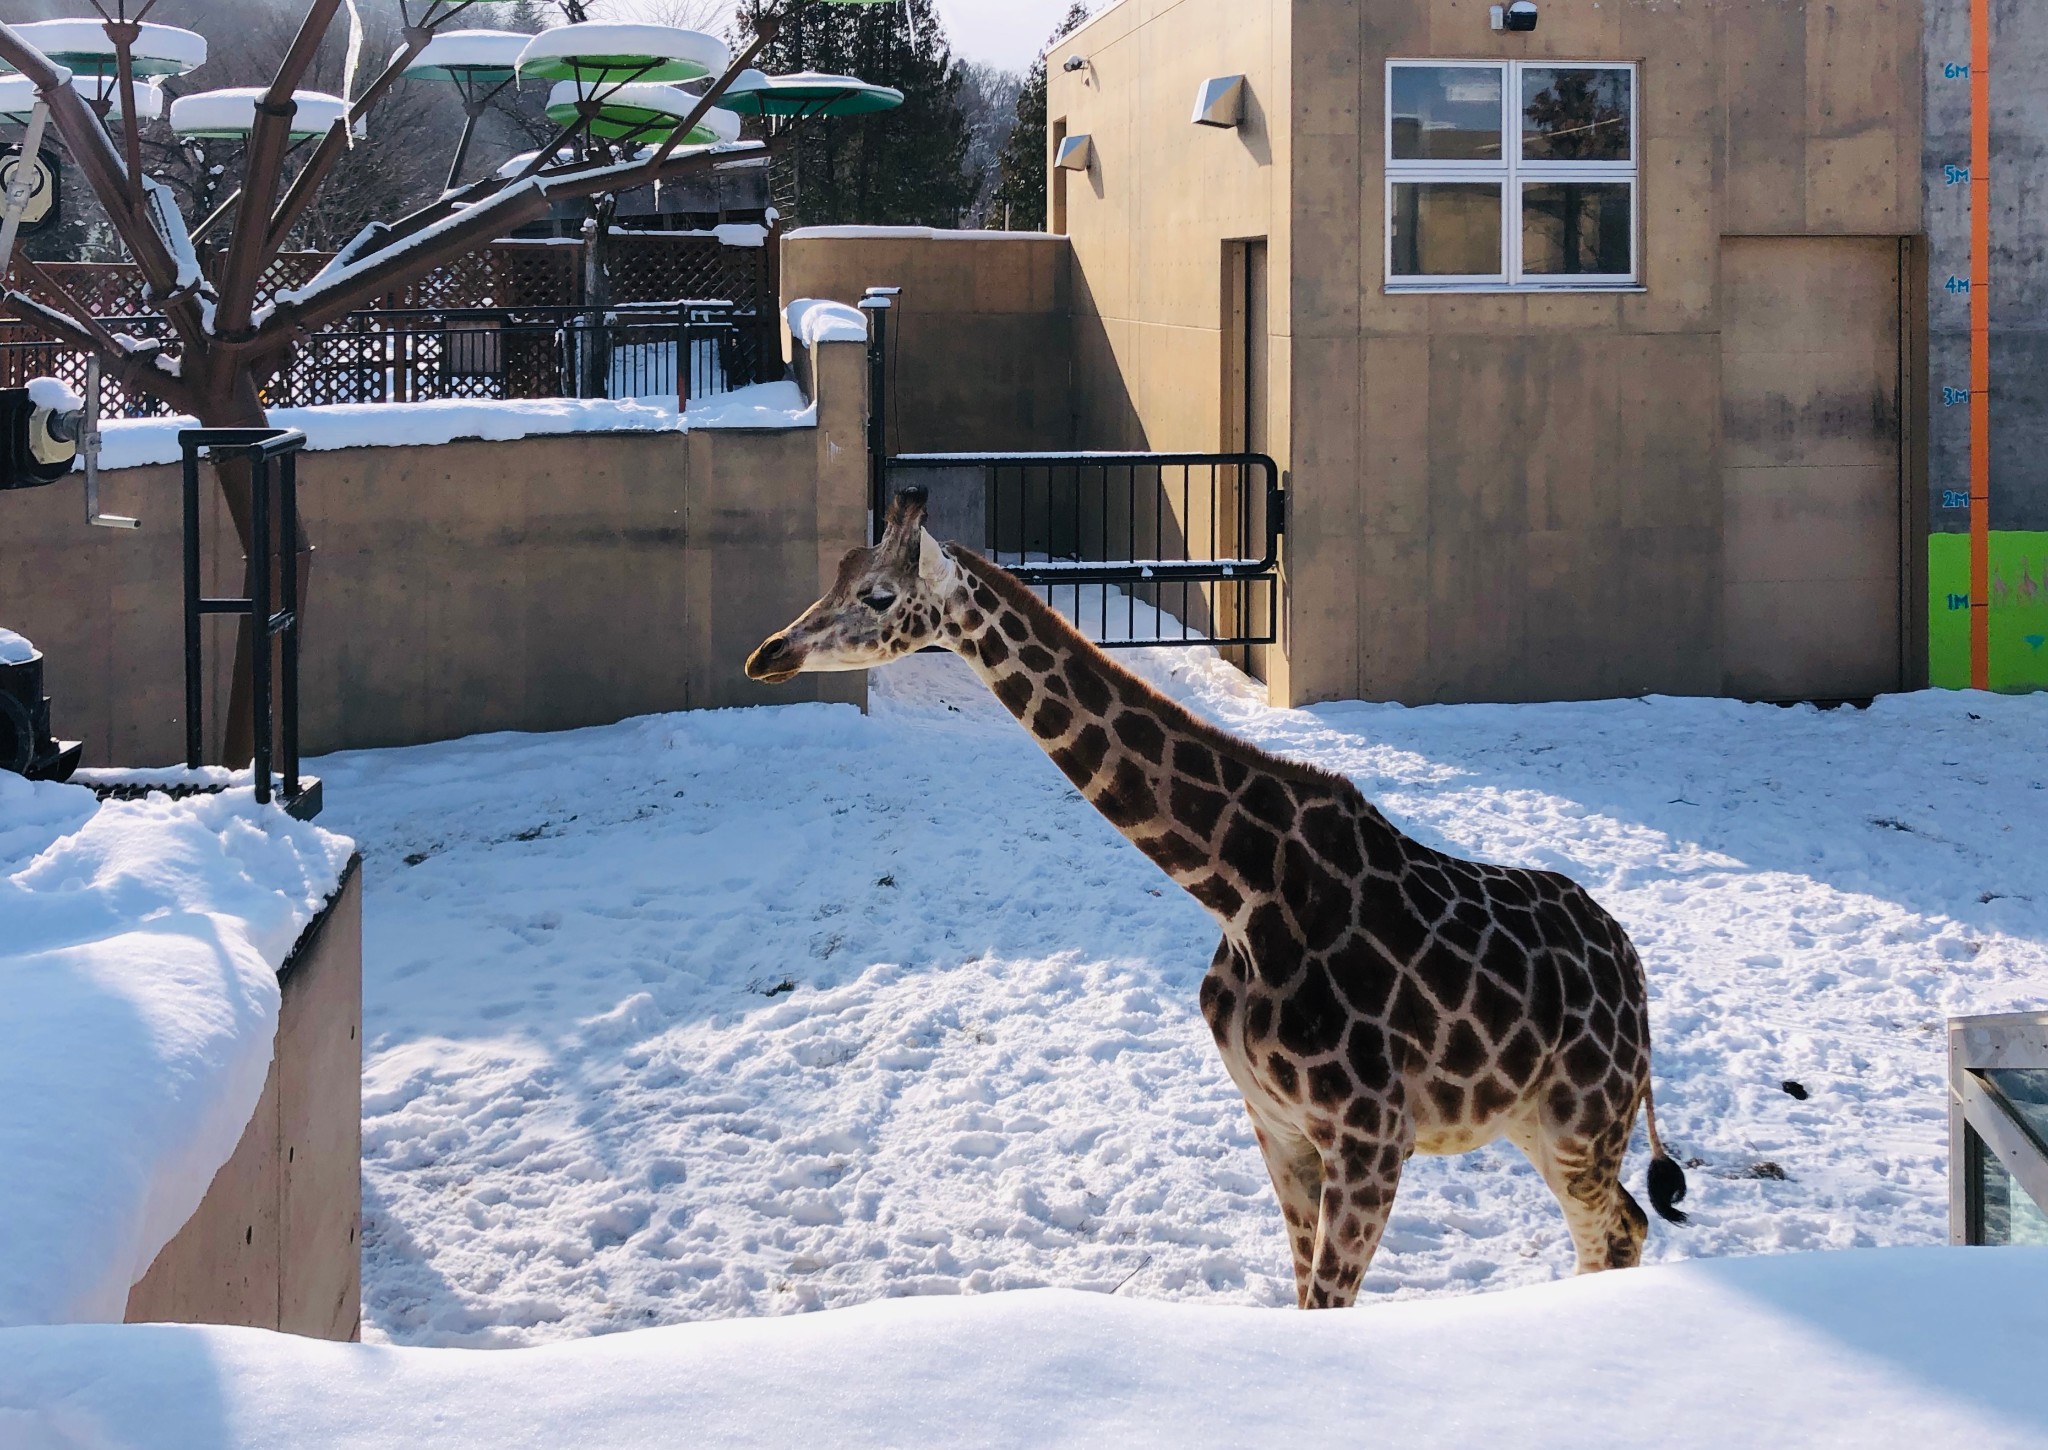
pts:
pixel 878 599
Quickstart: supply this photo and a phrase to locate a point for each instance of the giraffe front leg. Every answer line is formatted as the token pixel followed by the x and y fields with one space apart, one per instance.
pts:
pixel 1360 1177
pixel 1296 1168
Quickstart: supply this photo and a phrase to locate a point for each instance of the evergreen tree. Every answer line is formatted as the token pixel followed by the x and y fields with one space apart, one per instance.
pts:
pixel 905 166
pixel 1019 200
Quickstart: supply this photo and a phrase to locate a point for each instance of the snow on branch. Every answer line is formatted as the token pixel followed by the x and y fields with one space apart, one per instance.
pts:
pixel 360 258
pixel 338 272
pixel 169 224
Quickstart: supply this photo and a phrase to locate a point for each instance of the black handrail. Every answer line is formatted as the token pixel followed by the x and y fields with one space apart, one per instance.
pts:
pixel 278 548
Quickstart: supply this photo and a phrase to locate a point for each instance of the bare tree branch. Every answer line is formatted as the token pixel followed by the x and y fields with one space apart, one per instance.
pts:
pixel 139 374
pixel 268 138
pixel 484 222
pixel 300 194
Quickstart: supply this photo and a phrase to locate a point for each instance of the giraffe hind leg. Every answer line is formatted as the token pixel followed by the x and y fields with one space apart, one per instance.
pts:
pixel 1606 1223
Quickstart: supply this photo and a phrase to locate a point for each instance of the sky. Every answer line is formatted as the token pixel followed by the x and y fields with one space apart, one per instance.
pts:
pixel 1007 33
pixel 1004 33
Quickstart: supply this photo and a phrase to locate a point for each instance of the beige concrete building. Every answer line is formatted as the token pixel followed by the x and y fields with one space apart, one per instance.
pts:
pixel 1583 348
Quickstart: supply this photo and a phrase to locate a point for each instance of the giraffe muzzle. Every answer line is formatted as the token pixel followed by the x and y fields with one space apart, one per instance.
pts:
pixel 774 661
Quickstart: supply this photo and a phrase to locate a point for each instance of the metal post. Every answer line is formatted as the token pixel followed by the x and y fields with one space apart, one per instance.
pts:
pixel 470 113
pixel 288 534
pixel 24 180
pixel 877 309
pixel 192 685
pixel 684 361
pixel 259 607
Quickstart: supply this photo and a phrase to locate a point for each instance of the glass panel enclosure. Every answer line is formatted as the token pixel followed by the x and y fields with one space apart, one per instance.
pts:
pixel 2004 1212
pixel 1572 113
pixel 1446 113
pixel 1576 226
pixel 1447 229
pixel 2026 1090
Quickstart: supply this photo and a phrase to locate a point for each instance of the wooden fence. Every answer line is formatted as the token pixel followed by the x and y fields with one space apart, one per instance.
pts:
pixel 522 283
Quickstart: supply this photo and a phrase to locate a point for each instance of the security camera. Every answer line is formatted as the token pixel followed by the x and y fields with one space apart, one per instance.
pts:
pixel 1520 16
pixel 1074 62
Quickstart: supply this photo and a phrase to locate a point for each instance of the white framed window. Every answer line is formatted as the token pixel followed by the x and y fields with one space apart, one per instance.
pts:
pixel 1511 174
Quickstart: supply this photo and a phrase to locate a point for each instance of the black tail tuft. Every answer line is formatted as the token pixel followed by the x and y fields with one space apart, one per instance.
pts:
pixel 1667 1187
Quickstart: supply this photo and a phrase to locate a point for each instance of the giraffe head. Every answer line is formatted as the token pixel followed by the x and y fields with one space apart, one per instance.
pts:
pixel 886 603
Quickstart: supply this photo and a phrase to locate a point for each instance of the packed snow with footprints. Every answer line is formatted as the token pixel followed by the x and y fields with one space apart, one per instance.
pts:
pixel 759 1011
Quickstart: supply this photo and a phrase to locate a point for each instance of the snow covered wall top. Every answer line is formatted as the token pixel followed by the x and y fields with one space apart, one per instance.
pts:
pixel 138 442
pixel 813 320
pixel 1900 1347
pixel 139 948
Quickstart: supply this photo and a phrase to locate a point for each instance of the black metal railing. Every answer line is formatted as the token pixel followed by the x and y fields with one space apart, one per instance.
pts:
pixel 273 540
pixel 674 351
pixel 1137 548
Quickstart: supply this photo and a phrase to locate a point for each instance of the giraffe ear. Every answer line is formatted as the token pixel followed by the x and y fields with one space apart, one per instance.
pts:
pixel 931 557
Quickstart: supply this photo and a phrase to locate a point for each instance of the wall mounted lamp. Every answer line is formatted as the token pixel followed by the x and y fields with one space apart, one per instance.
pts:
pixel 1219 102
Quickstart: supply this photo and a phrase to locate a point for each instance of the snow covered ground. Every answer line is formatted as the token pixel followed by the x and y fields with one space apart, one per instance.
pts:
pixel 1938 1349
pixel 747 1012
pixel 139 948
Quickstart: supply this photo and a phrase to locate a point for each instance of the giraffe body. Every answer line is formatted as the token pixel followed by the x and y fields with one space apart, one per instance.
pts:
pixel 1371 997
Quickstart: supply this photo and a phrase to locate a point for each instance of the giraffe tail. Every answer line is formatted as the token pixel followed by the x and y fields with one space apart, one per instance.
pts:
pixel 1667 1179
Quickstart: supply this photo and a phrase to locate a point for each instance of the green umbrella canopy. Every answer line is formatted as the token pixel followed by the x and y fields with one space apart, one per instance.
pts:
pixel 604 51
pixel 486 56
pixel 807 93
pixel 82 47
pixel 641 111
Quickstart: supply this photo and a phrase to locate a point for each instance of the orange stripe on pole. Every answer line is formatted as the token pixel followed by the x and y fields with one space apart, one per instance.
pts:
pixel 1980 344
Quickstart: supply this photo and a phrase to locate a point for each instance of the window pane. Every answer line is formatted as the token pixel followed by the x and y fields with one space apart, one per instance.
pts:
pixel 1576 226
pixel 1446 113
pixel 2025 1090
pixel 2009 1216
pixel 1575 114
pixel 1446 229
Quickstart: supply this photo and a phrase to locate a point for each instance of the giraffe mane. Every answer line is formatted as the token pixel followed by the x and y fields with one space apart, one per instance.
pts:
pixel 1056 629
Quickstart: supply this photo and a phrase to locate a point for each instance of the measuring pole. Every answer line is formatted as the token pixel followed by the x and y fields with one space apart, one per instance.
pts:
pixel 1980 344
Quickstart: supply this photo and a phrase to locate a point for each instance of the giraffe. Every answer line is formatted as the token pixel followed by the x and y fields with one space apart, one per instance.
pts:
pixel 1371 998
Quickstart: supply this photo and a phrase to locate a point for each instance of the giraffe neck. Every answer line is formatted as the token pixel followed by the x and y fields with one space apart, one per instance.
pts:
pixel 1157 772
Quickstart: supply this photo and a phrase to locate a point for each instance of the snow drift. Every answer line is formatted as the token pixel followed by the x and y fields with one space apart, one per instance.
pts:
pixel 1922 1347
pixel 139 948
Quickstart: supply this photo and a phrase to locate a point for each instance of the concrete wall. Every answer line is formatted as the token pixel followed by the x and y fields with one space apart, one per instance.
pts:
pixel 2018 320
pixel 1150 219
pixel 981 335
pixel 1493 496
pixel 276 1242
pixel 542 584
pixel 1520 496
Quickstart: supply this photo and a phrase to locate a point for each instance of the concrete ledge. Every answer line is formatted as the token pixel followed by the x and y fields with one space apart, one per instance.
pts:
pixel 276 1242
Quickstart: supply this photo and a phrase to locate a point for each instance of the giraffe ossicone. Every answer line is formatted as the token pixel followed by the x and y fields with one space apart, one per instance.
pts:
pixel 1371 997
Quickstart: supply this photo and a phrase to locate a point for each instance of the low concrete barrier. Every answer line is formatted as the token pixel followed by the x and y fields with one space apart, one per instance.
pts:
pixel 276 1242
pixel 545 583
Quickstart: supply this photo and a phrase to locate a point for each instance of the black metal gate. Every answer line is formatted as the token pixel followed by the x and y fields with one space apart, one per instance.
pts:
pixel 1138 549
